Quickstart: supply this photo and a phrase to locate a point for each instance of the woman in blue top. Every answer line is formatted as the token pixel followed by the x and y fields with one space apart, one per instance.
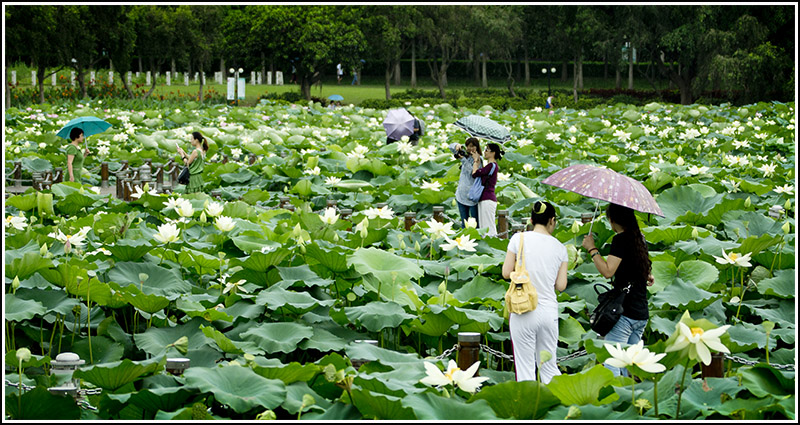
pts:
pixel 488 202
pixel 466 208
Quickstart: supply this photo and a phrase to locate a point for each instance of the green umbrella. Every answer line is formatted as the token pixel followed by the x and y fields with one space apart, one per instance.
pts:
pixel 485 128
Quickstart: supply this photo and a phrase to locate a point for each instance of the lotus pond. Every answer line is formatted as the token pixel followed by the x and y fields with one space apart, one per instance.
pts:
pixel 267 302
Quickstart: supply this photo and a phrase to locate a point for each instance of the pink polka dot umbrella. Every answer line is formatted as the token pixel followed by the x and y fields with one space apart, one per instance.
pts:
pixel 606 185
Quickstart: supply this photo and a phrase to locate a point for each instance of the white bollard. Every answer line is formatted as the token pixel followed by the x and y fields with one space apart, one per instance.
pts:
pixel 269 78
pixel 147 78
pixel 72 78
pixel 252 78
pixel 204 78
pixel 196 75
pixel 14 78
pixel 168 79
pixel 129 78
pixel 137 74
pixel 33 78
pixel 278 78
pixel 54 77
pixel 111 77
pixel 186 79
pixel 91 78
pixel 258 77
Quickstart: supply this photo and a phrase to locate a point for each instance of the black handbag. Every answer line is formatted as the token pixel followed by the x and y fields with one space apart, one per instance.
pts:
pixel 183 177
pixel 609 308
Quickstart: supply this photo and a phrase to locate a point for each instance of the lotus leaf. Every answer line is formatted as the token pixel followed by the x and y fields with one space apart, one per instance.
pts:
pixel 104 350
pixel 287 373
pixel 391 269
pixel 238 387
pixel 294 399
pixel 378 315
pixel 19 309
pixel 428 406
pixel 278 337
pixel 113 376
pixel 155 340
pixel 763 380
pixel 781 285
pixel 53 301
pixel 584 387
pixel 39 404
pixel 523 400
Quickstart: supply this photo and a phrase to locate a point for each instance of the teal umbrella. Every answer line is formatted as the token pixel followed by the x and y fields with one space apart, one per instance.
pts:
pixel 485 128
pixel 89 125
pixel 335 97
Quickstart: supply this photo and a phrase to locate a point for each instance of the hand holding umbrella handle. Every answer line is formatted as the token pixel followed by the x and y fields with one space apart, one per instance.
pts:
pixel 588 242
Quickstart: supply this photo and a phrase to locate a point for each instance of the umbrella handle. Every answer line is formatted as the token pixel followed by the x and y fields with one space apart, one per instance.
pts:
pixel 596 204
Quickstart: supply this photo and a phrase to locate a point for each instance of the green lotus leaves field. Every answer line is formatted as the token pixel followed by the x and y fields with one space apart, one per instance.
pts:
pixel 269 303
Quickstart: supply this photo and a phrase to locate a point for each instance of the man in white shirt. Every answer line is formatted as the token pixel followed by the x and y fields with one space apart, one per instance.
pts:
pixel 339 73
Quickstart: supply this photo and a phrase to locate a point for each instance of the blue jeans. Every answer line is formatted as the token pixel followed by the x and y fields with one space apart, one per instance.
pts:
pixel 467 212
pixel 626 331
pixel 355 79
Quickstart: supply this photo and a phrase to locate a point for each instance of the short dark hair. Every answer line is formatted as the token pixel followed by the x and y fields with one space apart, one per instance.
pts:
pixel 473 141
pixel 498 153
pixel 75 133
pixel 542 212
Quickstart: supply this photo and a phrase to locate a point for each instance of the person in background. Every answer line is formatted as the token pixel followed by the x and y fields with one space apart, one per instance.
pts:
pixel 487 206
pixel 339 73
pixel 75 155
pixel 195 160
pixel 466 208
pixel 628 263
pixel 546 261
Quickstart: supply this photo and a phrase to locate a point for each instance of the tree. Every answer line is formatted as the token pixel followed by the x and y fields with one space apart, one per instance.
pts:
pixel 445 37
pixel 498 30
pixel 76 44
pixel 117 38
pixel 204 37
pixel 31 31
pixel 315 37
pixel 391 27
pixel 154 36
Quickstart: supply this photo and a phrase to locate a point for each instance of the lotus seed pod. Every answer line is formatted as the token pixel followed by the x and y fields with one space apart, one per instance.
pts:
pixel 267 415
pixel 545 356
pixel 574 412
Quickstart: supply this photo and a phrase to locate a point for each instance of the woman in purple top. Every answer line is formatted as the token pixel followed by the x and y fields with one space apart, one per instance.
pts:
pixel 488 202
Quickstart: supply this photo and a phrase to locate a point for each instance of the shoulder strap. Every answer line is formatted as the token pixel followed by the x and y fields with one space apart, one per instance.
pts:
pixel 520 264
pixel 492 170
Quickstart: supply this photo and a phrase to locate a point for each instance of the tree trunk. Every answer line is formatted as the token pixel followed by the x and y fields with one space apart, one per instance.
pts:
pixel 222 69
pixel 263 67
pixel 476 66
pixel 200 80
pixel 388 74
pixel 140 65
pixel 126 85
pixel 397 77
pixel 564 72
pixel 110 65
pixel 618 84
pixel 153 80
pixel 40 80
pixel 510 79
pixel 272 68
pixel 580 70
pixel 305 87
pixel 8 95
pixel 605 68
pixel 575 73
pixel 81 82
pixel 173 69
pixel 527 70
pixel 630 68
pixel 413 64
pixel 484 80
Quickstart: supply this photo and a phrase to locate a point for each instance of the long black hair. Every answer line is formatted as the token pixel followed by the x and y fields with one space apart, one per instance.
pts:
pixel 625 217
pixel 202 140
pixel 498 153
pixel 542 212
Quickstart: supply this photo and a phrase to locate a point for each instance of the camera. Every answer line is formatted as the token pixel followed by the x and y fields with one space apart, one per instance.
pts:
pixel 461 153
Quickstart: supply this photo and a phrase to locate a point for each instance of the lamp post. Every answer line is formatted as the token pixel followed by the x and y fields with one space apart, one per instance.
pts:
pixel 236 73
pixel 552 71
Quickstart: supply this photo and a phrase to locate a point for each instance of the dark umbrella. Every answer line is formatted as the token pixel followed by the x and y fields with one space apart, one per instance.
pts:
pixel 398 123
pixel 89 125
pixel 485 128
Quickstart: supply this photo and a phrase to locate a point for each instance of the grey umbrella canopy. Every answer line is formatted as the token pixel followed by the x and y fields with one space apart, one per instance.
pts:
pixel 485 128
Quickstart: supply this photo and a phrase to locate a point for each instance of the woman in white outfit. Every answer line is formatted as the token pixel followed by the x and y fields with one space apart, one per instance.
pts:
pixel 546 261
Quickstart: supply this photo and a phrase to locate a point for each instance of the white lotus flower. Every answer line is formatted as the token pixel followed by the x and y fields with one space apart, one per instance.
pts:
pixel 471 223
pixel 768 170
pixel 138 191
pixel 553 136
pixel 699 342
pixel 167 233
pixel 637 355
pixel 453 376
pixel 527 167
pixel 185 209
pixel 384 212
pixel 622 136
pixel 405 147
pixel 502 177
pixel 332 180
pixel 679 161
pixel 312 172
pixel 236 152
pixel 695 170
pixel 734 258
pixel 613 158
pixel 17 222
pixel 330 216
pixel 235 287
pixel 174 203
pixel 224 223
pixel 103 150
pixel 71 241
pixel 439 230
pixel 363 227
pixel 787 189
pixel 463 243
pixel 213 209
pixel 434 186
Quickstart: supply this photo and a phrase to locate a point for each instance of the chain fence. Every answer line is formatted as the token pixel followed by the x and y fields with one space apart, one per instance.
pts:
pixel 80 397
pixel 737 359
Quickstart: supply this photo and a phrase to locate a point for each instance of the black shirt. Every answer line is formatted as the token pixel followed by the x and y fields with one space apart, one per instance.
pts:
pixel 630 271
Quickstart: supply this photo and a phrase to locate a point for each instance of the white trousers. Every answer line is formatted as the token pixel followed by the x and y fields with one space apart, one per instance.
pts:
pixel 532 333
pixel 486 210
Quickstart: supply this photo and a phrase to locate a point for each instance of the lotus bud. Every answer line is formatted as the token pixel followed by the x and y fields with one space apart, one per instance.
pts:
pixel 267 415
pixel 574 412
pixel 545 356
pixel 43 250
pixel 403 244
pixel 416 246
pixel 576 227
pixel 695 233
pixel 443 287
pixel 203 216
pixel 788 205
pixel 680 149
pixel 23 355
pixel 336 237
pixel 302 249
pixel 234 363
pixel 786 228
pixel 454 203
pixel 15 284
pixel 747 202
pixel 81 191
pixel 735 300
pixel 679 160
